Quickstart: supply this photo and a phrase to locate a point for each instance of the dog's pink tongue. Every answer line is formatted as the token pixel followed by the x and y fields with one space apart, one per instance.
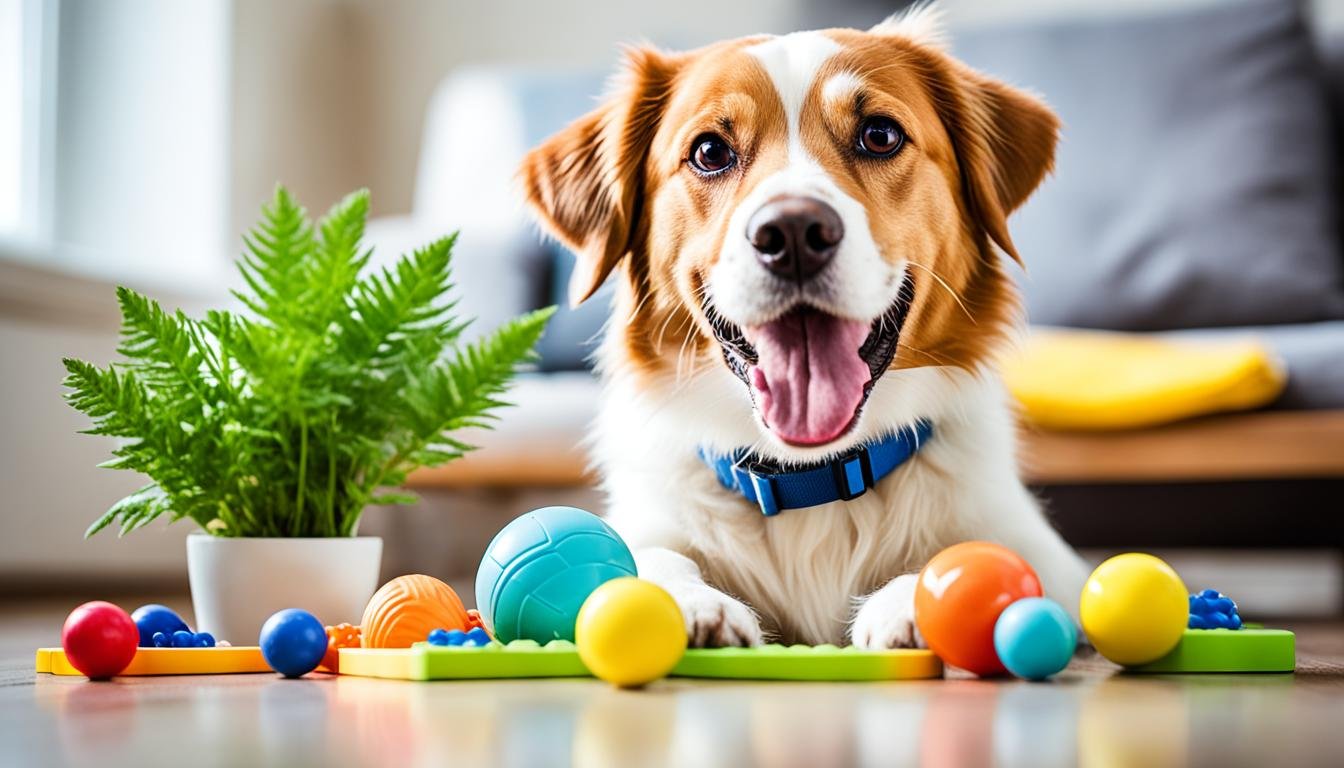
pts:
pixel 809 376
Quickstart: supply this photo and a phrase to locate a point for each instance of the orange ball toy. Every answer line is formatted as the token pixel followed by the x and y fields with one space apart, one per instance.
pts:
pixel 405 609
pixel 959 597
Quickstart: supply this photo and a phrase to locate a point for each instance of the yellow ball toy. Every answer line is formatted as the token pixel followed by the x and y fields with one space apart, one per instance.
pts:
pixel 630 632
pixel 1134 608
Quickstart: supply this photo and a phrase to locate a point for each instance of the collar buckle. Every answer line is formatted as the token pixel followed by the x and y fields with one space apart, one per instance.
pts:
pixel 764 488
pixel 853 474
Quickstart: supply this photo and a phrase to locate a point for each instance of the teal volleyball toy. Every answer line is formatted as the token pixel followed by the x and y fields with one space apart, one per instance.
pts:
pixel 537 572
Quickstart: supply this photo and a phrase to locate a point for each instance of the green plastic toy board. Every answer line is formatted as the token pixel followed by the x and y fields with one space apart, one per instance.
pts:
pixel 422 661
pixel 558 658
pixel 808 662
pixel 1228 650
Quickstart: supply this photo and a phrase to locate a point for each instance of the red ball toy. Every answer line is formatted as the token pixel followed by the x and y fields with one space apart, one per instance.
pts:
pixel 99 639
pixel 961 593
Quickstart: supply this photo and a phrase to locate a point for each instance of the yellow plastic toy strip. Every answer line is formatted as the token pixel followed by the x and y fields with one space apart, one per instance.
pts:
pixel 389 663
pixel 169 661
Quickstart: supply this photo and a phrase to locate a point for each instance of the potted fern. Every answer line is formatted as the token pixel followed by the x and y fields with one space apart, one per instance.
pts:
pixel 274 428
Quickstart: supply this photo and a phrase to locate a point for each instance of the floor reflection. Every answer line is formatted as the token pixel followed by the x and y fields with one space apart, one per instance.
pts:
pixel 1077 720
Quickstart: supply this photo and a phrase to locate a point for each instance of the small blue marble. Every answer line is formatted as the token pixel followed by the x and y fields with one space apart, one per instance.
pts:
pixel 162 640
pixel 203 640
pixel 456 637
pixel 183 639
pixel 1210 609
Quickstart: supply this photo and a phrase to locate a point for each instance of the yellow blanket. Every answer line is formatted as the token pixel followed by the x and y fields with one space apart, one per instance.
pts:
pixel 1067 379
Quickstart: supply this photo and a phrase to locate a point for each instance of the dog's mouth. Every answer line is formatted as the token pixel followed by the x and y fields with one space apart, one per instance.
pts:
pixel 810 372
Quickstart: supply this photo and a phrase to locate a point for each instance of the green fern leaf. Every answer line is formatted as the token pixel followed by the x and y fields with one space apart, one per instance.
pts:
pixel 291 419
pixel 275 259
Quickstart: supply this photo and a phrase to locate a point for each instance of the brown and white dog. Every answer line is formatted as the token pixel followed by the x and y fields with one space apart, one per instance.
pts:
pixel 808 230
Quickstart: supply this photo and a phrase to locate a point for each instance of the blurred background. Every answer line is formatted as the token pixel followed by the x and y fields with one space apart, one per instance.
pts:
pixel 1197 196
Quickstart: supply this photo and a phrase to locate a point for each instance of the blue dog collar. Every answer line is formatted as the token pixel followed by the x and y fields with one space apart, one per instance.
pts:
pixel 775 488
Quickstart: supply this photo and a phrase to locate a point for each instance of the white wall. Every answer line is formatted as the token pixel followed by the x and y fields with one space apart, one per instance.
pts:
pixel 140 164
pixel 142 173
pixel 331 95
pixel 50 488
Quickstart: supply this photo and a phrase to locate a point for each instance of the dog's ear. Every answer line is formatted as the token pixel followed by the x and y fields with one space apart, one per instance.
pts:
pixel 585 182
pixel 1005 143
pixel 1004 138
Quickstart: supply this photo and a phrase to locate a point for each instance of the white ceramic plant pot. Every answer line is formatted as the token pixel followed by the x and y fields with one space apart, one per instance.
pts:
pixel 237 583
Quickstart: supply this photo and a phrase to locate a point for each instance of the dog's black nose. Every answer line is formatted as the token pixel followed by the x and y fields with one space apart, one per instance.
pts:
pixel 795 236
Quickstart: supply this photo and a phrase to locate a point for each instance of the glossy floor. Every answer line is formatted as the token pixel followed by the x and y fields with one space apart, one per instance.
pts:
pixel 1090 716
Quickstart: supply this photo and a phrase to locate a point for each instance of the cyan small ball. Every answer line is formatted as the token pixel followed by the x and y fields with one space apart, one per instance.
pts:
pixel 293 642
pixel 1035 638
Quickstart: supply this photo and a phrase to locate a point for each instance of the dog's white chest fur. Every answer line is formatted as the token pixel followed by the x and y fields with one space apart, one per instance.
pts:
pixel 806 571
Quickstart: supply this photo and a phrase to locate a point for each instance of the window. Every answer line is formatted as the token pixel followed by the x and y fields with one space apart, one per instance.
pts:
pixel 19 45
pixel 11 107
pixel 114 138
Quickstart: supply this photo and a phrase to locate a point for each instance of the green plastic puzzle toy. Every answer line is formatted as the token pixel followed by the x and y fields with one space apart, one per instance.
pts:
pixel 422 661
pixel 808 662
pixel 1227 650
pixel 559 658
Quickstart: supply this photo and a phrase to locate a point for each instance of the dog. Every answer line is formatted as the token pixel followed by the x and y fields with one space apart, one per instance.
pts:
pixel 811 241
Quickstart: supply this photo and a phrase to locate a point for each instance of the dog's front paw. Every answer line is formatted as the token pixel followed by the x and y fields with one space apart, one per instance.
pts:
pixel 887 617
pixel 715 620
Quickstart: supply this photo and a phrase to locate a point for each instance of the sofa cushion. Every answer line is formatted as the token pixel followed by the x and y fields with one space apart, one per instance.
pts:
pixel 573 334
pixel 1313 354
pixel 549 102
pixel 1194 182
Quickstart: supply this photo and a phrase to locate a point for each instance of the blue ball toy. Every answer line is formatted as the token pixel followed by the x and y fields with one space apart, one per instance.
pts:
pixel 183 639
pixel 293 642
pixel 203 640
pixel 537 572
pixel 1035 638
pixel 154 618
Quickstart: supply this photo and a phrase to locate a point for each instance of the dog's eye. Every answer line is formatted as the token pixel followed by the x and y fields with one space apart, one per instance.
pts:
pixel 880 137
pixel 711 154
